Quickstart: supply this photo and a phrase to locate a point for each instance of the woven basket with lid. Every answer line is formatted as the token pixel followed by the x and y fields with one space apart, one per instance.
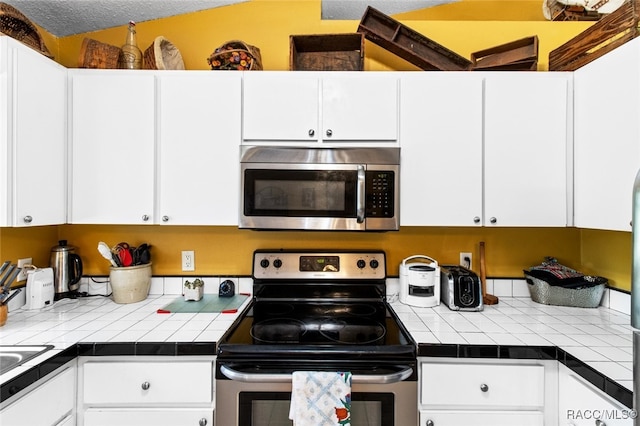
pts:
pixel 16 25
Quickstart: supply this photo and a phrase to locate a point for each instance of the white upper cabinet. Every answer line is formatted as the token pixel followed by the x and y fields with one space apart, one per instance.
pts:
pixel 199 139
pixel 526 128
pixel 112 147
pixel 607 135
pixel 33 119
pixel 308 107
pixel 441 140
pixel 484 149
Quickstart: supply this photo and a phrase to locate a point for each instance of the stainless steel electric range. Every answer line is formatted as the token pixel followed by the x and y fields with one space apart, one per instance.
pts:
pixel 316 311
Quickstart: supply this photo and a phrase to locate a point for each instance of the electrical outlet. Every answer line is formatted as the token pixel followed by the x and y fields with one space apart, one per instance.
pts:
pixel 23 273
pixel 188 260
pixel 466 260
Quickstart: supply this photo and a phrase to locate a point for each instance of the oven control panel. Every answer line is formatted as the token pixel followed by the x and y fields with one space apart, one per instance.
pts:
pixel 319 265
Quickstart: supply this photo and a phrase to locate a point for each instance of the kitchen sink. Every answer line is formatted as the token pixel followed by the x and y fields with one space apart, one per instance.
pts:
pixel 13 356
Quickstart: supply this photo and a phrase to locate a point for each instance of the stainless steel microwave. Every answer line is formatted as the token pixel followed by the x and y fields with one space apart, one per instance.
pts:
pixel 330 189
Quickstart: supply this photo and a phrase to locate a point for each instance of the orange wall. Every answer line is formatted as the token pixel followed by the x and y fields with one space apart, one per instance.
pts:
pixel 268 25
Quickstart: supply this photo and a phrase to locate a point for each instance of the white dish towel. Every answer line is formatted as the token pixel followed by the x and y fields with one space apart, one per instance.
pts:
pixel 320 398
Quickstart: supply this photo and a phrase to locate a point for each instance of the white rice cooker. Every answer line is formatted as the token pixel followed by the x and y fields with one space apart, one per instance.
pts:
pixel 420 281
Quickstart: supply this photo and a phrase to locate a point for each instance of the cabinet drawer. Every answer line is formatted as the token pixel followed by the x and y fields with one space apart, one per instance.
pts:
pixel 131 383
pixel 46 404
pixel 151 417
pixel 482 385
pixel 478 418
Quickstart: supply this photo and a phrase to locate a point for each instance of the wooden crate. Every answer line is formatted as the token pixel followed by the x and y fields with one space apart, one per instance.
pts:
pixel 408 44
pixel 326 52
pixel 612 31
pixel 518 55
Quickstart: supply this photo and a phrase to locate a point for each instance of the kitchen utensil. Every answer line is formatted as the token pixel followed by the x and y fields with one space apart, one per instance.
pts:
pixel 487 299
pixel 14 294
pixel 141 254
pixel 105 251
pixel 67 270
pixel 4 266
pixel 5 283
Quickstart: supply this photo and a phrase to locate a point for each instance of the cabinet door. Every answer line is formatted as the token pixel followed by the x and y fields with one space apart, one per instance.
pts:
pixel 48 404
pixel 607 131
pixel 280 106
pixel 39 131
pixel 581 404
pixel 479 418
pixel 199 140
pixel 360 107
pixel 525 158
pixel 113 147
pixel 148 417
pixel 441 140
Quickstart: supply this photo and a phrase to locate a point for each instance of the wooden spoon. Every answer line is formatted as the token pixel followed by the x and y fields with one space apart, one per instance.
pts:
pixel 487 299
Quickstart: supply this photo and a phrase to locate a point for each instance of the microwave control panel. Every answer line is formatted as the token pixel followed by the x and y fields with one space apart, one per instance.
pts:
pixel 379 187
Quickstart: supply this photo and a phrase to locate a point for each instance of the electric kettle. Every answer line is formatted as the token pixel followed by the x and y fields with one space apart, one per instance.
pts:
pixel 67 270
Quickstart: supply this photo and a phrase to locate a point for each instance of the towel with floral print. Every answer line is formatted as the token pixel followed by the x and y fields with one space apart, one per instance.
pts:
pixel 320 398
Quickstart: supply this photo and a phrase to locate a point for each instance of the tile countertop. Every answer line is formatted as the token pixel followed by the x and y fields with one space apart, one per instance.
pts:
pixel 600 338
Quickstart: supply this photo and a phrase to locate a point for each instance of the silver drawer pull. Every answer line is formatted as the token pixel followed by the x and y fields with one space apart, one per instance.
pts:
pixel 202 422
pixel 28 219
pixel 378 379
pixel 146 385
pixel 429 423
pixel 484 387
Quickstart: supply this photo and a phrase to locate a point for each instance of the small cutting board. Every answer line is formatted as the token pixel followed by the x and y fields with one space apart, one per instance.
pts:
pixel 209 303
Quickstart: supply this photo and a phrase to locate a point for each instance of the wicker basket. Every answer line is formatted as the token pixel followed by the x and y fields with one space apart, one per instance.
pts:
pixel 95 54
pixel 162 55
pixel 235 55
pixel 17 26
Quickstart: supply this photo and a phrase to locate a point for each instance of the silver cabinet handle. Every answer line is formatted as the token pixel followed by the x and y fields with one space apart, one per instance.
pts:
pixel 312 132
pixel 476 219
pixel 165 218
pixel 145 217
pixel 146 385
pixel 493 220
pixel 329 132
pixel 360 195
pixel 27 219
pixel 378 379
pixel 484 387
pixel 600 423
pixel 202 422
pixel 429 423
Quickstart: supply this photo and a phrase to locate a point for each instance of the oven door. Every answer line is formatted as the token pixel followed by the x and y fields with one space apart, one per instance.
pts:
pixel 250 399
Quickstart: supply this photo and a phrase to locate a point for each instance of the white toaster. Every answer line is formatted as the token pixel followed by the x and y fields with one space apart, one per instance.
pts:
pixel 40 291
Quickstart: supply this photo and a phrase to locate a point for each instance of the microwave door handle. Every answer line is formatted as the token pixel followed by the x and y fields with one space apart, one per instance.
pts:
pixel 360 195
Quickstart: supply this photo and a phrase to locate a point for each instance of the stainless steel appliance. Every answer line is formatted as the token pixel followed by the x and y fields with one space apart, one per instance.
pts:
pixel 460 289
pixel 635 293
pixel 354 189
pixel 420 281
pixel 315 311
pixel 67 270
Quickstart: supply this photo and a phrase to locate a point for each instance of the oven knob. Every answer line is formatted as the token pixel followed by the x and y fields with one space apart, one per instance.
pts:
pixel 277 263
pixel 374 263
pixel 264 263
pixel 361 264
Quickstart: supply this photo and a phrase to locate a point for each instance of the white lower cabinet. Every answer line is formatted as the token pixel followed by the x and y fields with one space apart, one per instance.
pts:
pixel 146 391
pixel 456 392
pixel 50 402
pixel 581 404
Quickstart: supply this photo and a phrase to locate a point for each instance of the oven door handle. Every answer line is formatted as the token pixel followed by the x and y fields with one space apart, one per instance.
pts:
pixel 360 195
pixel 373 379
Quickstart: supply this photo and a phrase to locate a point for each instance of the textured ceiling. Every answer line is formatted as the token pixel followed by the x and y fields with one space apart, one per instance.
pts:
pixel 66 17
